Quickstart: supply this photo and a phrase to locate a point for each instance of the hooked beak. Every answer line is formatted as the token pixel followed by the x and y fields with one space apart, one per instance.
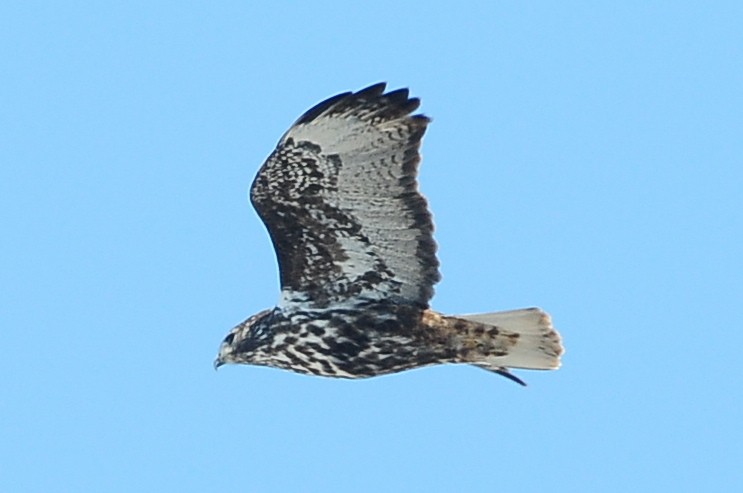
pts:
pixel 217 363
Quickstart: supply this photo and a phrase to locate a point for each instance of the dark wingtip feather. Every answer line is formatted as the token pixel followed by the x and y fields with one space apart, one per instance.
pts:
pixel 373 91
pixel 320 108
pixel 505 373
pixel 395 104
pixel 398 96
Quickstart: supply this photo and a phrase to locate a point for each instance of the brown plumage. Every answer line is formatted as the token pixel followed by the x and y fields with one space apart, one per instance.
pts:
pixel 357 259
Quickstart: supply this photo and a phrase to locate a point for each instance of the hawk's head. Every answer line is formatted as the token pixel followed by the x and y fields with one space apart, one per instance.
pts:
pixel 244 339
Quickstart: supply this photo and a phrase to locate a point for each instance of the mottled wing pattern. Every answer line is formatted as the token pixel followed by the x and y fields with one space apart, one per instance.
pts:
pixel 340 201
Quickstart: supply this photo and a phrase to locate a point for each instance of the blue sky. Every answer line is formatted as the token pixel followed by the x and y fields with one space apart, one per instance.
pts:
pixel 584 157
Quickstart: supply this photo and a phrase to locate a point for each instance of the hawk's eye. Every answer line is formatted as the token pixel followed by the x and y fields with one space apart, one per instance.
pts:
pixel 229 338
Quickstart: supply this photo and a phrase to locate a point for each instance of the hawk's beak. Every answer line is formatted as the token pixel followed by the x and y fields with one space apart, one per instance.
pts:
pixel 217 363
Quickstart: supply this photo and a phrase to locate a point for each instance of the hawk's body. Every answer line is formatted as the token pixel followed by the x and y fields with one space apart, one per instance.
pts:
pixel 357 260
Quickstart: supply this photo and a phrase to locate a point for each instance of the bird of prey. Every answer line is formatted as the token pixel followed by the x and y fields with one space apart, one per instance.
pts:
pixel 357 260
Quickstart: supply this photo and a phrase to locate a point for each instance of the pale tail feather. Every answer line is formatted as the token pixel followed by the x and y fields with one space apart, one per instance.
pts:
pixel 538 347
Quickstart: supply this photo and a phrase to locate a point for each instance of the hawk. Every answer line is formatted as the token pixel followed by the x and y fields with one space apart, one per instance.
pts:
pixel 357 260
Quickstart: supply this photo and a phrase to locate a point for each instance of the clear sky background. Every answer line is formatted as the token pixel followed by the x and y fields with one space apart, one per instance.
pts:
pixel 584 157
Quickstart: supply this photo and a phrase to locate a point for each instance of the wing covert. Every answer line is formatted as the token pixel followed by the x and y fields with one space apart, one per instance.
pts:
pixel 340 200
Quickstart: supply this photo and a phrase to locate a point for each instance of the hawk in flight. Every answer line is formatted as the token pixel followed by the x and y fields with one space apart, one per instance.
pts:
pixel 357 259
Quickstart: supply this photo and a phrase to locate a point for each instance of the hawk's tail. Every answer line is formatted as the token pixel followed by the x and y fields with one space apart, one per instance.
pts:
pixel 522 339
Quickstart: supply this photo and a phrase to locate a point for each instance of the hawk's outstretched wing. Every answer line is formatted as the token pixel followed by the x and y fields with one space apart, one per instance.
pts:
pixel 340 200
